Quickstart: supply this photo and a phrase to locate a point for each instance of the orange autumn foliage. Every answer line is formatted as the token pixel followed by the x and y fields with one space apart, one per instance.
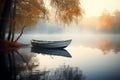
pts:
pixel 104 21
pixel 67 11
pixel 27 13
pixel 7 46
pixel 10 46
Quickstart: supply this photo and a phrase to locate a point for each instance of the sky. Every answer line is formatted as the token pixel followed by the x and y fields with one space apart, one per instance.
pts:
pixel 96 7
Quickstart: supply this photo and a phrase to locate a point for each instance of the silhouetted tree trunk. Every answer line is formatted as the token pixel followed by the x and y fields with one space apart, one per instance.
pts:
pixel 10 28
pixel 14 22
pixel 4 18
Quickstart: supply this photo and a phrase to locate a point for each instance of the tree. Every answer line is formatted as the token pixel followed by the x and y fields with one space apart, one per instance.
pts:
pixel 4 15
pixel 15 15
pixel 67 11
pixel 24 13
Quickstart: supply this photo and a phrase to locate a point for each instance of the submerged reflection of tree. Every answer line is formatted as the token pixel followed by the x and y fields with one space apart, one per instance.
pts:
pixel 66 72
pixel 11 64
pixel 17 66
pixel 109 45
pixel 7 65
pixel 104 44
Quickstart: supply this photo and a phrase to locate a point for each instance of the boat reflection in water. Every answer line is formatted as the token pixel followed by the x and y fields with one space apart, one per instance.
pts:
pixel 56 52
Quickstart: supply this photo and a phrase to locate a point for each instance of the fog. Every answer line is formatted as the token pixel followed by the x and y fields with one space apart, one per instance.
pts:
pixel 105 24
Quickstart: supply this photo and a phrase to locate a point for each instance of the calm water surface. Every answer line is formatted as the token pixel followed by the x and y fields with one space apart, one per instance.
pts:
pixel 97 56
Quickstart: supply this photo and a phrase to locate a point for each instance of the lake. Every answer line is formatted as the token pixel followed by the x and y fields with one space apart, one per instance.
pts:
pixel 97 56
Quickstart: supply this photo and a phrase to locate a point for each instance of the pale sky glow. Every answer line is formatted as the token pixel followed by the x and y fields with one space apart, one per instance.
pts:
pixel 96 7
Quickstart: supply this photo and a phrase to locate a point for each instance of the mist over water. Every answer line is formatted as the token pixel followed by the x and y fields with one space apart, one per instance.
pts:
pixel 96 55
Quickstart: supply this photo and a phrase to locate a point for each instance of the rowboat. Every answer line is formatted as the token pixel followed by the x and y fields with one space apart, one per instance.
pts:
pixel 50 44
pixel 51 52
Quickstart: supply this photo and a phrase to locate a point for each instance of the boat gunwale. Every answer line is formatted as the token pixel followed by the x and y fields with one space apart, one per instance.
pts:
pixel 43 42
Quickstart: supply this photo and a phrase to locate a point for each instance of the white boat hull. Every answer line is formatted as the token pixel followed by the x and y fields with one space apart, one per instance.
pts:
pixel 50 44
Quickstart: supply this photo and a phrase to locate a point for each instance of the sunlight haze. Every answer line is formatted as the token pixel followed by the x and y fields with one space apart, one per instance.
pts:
pixel 96 7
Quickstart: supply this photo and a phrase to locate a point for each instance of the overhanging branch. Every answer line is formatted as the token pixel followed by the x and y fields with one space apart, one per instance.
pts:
pixel 20 34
